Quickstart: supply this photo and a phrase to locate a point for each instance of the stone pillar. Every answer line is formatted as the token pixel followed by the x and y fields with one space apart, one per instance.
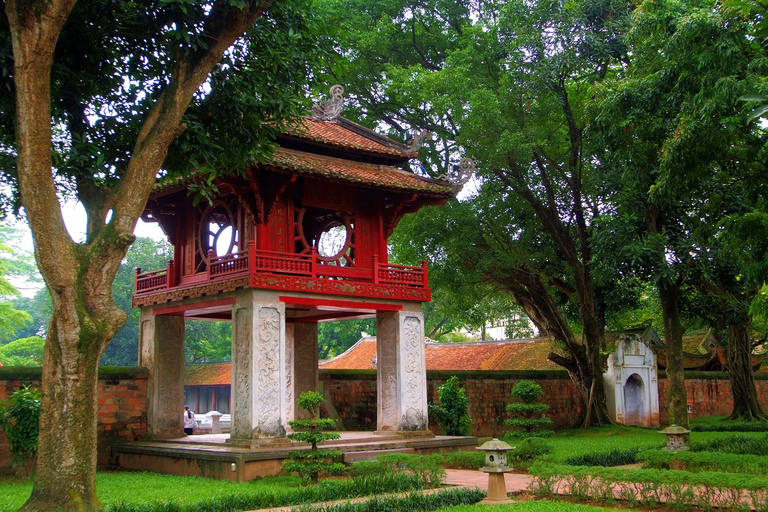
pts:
pixel 305 352
pixel 258 369
pixel 161 351
pixel 402 372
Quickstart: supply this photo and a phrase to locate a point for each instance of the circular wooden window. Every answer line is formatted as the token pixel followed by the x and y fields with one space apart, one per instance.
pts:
pixel 217 231
pixel 329 232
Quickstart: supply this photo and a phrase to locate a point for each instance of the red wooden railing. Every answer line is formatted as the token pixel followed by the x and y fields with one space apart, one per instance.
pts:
pixel 252 262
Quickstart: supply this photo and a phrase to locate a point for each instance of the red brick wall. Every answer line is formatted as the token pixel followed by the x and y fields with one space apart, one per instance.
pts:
pixel 353 396
pixel 708 397
pixel 122 413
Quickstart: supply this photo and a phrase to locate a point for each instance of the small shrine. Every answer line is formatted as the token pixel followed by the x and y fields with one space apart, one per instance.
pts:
pixel 631 378
pixel 298 239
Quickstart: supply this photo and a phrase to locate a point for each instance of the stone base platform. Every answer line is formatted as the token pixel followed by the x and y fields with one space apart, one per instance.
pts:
pixel 211 457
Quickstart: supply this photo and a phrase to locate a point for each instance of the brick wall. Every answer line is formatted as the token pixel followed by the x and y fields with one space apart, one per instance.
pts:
pixel 122 413
pixel 352 396
pixel 708 395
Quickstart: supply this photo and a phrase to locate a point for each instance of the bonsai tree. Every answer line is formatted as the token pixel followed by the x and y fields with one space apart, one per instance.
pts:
pixel 451 414
pixel 529 411
pixel 311 463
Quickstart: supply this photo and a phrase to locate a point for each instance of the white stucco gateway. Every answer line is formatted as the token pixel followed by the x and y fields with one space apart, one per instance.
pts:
pixel 631 380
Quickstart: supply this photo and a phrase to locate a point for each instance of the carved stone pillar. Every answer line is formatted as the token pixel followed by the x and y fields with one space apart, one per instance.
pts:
pixel 161 351
pixel 305 362
pixel 402 372
pixel 258 369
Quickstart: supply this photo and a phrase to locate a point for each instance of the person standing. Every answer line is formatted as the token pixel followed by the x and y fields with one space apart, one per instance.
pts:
pixel 189 421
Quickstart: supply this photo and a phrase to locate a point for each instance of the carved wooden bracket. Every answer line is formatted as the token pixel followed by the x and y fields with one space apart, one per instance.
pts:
pixel 259 194
pixel 392 215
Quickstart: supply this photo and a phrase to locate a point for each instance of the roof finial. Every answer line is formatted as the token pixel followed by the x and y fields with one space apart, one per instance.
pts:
pixel 330 109
pixel 414 143
pixel 459 174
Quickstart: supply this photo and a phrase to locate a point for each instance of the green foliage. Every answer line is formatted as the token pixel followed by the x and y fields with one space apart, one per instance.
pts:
pixel 697 462
pixel 613 457
pixel 23 352
pixel 531 414
pixel 706 490
pixel 732 426
pixel 334 338
pixel 529 450
pixel 451 414
pixel 465 459
pixel 414 502
pixel 20 420
pixel 312 463
pixel 426 467
pixel 738 444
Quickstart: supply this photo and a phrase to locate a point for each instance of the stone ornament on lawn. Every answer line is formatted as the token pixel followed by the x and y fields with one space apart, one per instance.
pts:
pixel 676 437
pixel 496 466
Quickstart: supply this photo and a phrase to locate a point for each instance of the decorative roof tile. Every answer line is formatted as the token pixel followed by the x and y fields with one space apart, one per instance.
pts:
pixel 208 374
pixel 530 354
pixel 346 134
pixel 371 175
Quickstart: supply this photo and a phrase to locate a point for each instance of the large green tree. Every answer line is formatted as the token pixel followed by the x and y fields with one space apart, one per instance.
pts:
pixel 106 97
pixel 507 83
pixel 683 158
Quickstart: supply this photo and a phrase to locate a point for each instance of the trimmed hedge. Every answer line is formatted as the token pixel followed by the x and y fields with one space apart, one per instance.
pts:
pixel 705 490
pixel 738 444
pixel 414 502
pixel 35 373
pixel 614 457
pixel 733 426
pixel 696 462
pixel 327 490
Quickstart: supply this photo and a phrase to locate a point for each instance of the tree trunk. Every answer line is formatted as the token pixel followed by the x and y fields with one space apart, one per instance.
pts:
pixel 673 330
pixel 584 365
pixel 746 405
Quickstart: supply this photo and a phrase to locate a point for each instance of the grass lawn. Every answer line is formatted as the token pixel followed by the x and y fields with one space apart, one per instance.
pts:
pixel 528 506
pixel 142 487
pixel 568 443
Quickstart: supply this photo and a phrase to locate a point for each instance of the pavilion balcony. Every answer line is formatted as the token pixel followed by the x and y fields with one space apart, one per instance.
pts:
pixel 294 272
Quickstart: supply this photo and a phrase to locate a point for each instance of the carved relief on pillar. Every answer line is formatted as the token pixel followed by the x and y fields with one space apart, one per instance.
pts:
pixel 414 373
pixel 387 372
pixel 241 426
pixel 146 350
pixel 268 379
pixel 290 349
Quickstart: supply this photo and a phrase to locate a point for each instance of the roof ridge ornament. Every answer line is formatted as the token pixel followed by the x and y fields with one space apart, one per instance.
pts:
pixel 330 109
pixel 414 143
pixel 459 174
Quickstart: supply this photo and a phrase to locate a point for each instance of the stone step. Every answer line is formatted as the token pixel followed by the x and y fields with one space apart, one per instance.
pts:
pixel 350 457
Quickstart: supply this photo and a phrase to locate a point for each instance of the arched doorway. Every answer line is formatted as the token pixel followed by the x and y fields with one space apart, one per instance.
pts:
pixel 634 406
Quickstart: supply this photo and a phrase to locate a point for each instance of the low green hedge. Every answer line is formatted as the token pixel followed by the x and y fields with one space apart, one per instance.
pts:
pixel 696 462
pixel 705 490
pixel 733 426
pixel 414 502
pixel 326 490
pixel 614 457
pixel 738 444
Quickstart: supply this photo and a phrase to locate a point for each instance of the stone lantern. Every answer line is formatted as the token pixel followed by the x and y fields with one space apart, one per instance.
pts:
pixel 215 421
pixel 496 466
pixel 676 437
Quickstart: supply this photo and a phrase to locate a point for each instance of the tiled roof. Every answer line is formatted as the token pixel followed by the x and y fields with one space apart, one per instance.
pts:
pixel 208 374
pixel 347 134
pixel 372 175
pixel 495 355
pixel 360 356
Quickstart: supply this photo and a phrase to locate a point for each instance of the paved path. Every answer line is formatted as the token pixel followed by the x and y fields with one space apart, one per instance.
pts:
pixel 454 477
pixel 516 483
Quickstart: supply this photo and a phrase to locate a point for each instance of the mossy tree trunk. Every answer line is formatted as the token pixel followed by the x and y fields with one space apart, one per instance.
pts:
pixel 80 276
pixel 673 336
pixel 746 404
